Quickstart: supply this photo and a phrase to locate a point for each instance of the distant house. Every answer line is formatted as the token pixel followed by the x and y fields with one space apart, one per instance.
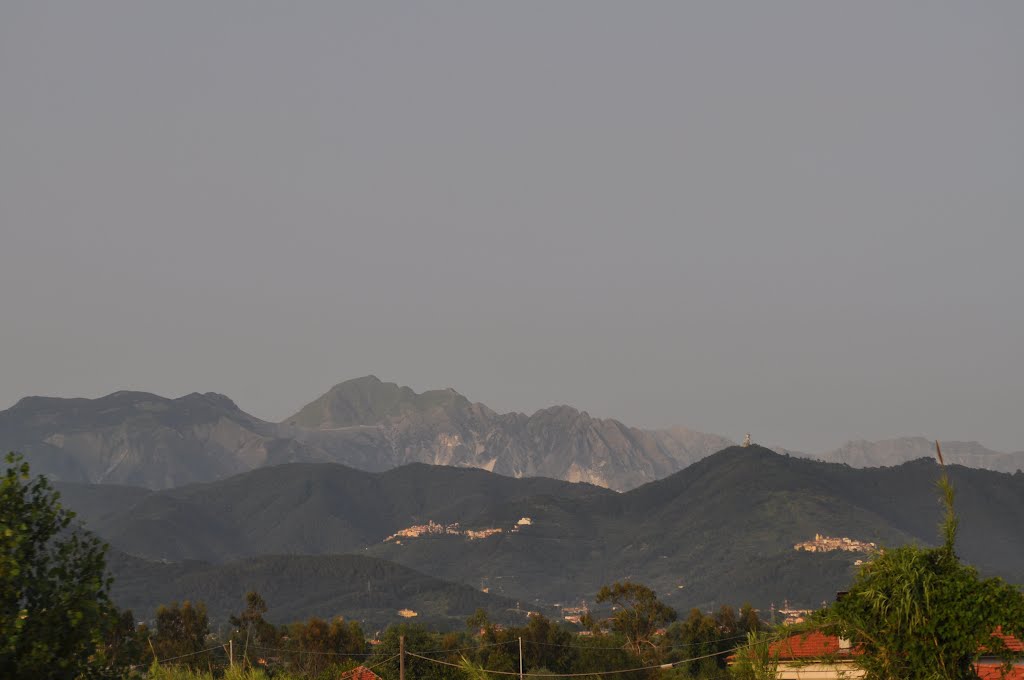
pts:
pixel 990 667
pixel 817 656
pixel 360 673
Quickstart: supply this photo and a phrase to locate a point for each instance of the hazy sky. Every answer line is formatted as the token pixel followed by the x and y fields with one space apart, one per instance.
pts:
pixel 803 220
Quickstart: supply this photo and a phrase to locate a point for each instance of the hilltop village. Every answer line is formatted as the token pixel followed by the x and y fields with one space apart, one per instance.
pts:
pixel 829 543
pixel 432 528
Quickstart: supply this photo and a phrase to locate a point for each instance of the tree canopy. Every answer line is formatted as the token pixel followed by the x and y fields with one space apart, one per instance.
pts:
pixel 638 614
pixel 920 614
pixel 54 602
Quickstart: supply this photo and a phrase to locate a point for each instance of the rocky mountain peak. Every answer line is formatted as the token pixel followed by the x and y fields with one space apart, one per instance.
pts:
pixel 211 399
pixel 370 401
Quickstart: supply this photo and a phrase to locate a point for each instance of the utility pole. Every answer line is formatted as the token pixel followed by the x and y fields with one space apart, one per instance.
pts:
pixel 520 658
pixel 401 657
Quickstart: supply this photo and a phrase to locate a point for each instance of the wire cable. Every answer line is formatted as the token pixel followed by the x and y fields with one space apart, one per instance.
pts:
pixel 601 673
pixel 180 656
pixel 670 649
pixel 308 651
pixel 351 672
pixel 467 649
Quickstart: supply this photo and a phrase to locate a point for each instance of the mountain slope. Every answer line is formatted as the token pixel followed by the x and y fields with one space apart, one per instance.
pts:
pixel 896 451
pixel 306 508
pixel 146 440
pixel 142 439
pixel 368 401
pixel 442 427
pixel 298 587
pixel 721 530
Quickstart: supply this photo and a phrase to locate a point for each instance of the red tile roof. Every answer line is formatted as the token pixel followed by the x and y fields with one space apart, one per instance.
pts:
pixel 818 645
pixel 360 673
pixel 1012 643
pixel 995 672
pixel 809 646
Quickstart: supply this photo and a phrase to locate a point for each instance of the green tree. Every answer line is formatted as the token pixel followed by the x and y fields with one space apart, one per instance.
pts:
pixel 756 660
pixel 252 635
pixel 418 640
pixel 700 635
pixel 122 643
pixel 602 652
pixel 54 601
pixel 182 631
pixel 749 621
pixel 920 614
pixel 317 646
pixel 638 613
pixel 547 646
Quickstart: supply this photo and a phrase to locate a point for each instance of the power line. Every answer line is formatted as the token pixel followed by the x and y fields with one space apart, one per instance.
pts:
pixel 466 649
pixel 670 649
pixel 308 651
pixel 601 673
pixel 354 654
pixel 351 672
pixel 180 656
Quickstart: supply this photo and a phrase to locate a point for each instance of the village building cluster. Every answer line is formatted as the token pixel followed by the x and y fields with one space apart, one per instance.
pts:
pixel 831 543
pixel 432 528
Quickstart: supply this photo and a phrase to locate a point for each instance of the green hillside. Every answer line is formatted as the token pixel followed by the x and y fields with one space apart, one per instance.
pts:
pixel 306 509
pixel 720 531
pixel 297 587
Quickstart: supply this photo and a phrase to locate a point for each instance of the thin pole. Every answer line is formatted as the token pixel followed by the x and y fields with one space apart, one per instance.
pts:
pixel 520 658
pixel 401 657
pixel 231 652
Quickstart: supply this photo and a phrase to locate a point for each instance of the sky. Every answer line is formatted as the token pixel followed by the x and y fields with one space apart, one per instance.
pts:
pixel 801 220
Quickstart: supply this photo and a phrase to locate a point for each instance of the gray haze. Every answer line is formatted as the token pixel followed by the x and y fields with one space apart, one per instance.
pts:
pixel 798 219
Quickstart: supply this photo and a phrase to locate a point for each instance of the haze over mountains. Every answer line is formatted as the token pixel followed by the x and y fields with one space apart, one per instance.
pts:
pixel 722 530
pixel 146 440
pixel 862 453
pixel 200 499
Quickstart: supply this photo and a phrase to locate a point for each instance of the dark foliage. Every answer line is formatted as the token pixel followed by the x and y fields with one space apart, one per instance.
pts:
pixel 54 606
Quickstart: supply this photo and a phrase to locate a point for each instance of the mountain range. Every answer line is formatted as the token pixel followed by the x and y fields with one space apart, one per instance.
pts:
pixel 142 439
pixel 861 453
pixel 722 530
pixel 296 587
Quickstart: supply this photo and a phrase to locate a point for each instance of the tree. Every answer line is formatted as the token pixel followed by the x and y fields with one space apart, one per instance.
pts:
pixel 418 640
pixel 181 631
pixel 122 643
pixel 757 660
pixel 252 636
pixel 638 614
pixel 54 601
pixel 316 645
pixel 920 614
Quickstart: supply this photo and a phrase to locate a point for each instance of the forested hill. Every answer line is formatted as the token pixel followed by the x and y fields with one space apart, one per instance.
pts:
pixel 297 587
pixel 307 509
pixel 720 531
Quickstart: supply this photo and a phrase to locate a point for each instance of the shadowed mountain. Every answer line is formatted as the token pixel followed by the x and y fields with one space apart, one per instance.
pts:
pixel 441 427
pixel 142 439
pixel 300 586
pixel 721 530
pixel 305 508
pixel 895 451
pixel 146 440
